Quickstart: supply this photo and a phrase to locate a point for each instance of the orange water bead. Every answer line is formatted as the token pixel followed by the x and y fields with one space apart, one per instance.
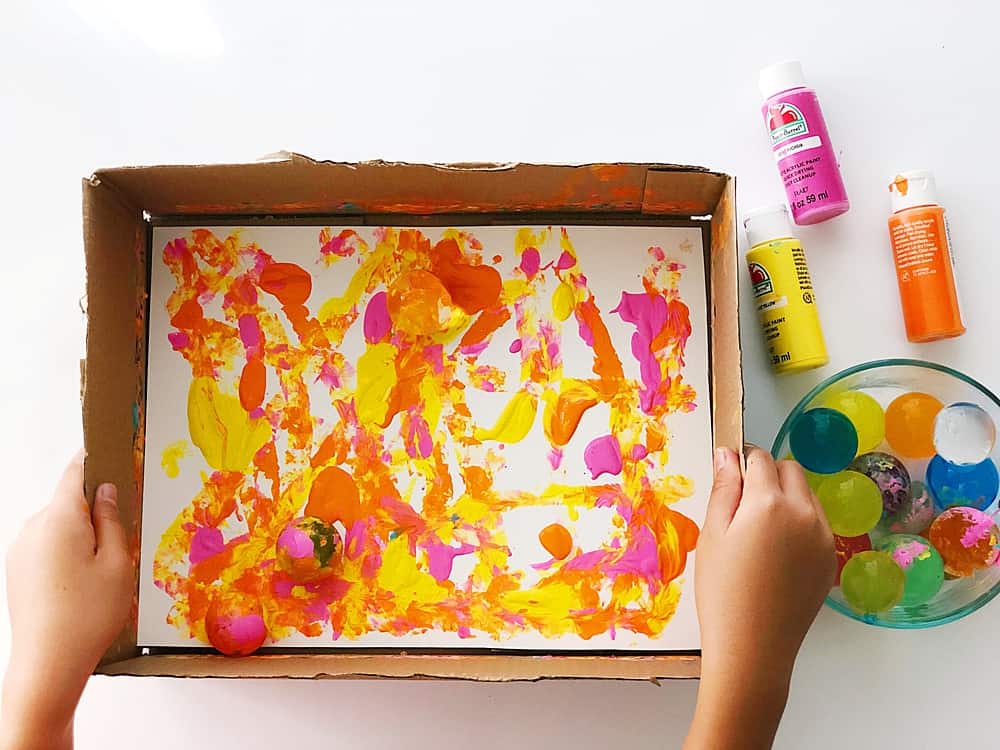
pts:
pixel 966 538
pixel 909 424
pixel 557 540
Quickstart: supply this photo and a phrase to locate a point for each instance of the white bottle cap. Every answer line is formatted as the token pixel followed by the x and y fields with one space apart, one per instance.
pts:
pixel 915 187
pixel 781 77
pixel 767 223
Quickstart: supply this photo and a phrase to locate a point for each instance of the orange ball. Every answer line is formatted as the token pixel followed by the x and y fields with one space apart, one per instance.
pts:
pixel 909 424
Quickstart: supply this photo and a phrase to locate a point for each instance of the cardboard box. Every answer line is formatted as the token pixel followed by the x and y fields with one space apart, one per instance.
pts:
pixel 119 208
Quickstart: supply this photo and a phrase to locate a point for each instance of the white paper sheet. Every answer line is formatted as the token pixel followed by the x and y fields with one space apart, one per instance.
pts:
pixel 613 260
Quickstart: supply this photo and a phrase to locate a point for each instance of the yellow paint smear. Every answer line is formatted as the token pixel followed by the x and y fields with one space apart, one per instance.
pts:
pixel 515 420
pixel 376 379
pixel 225 434
pixel 563 301
pixel 171 456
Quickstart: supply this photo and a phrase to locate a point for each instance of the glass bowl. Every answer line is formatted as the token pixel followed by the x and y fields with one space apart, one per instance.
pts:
pixel 885 380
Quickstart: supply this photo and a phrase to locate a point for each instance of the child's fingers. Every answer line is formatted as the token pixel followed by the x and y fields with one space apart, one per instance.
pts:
pixel 108 531
pixel 69 491
pixel 793 482
pixel 727 489
pixel 762 474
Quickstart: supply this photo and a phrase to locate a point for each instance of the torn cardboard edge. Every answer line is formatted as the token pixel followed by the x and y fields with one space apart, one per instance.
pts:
pixel 119 207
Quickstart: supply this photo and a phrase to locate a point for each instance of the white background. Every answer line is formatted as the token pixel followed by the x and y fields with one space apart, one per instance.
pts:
pixel 904 85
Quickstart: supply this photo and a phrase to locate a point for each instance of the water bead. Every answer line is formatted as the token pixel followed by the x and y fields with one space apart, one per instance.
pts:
pixel 847 547
pixel 909 424
pixel 889 475
pixel 823 441
pixel 966 538
pixel 964 434
pixel 852 503
pixel 975 486
pixel 921 563
pixel 865 414
pixel 872 582
pixel 913 516
pixel 308 549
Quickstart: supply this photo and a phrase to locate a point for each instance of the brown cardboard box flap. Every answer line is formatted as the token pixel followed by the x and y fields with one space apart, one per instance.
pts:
pixel 490 668
pixel 298 185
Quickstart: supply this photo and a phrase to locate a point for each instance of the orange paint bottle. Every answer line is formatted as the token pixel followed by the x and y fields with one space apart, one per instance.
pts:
pixel 922 253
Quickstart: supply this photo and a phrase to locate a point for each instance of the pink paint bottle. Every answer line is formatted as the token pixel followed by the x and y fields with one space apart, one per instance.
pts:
pixel 801 145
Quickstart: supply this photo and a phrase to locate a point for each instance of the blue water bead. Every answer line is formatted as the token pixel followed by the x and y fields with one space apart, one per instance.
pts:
pixel 823 440
pixel 975 486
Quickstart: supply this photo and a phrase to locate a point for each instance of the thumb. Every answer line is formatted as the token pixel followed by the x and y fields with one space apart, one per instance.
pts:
pixel 107 523
pixel 727 489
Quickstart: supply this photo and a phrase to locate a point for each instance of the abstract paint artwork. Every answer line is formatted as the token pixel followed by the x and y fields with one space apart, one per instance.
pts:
pixel 472 437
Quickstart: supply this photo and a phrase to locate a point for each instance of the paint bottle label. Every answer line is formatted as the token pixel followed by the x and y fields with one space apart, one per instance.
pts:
pixel 806 159
pixel 786 306
pixel 925 271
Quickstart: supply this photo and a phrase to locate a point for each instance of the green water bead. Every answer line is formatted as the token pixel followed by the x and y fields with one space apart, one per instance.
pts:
pixel 865 413
pixel 852 502
pixel 872 582
pixel 921 563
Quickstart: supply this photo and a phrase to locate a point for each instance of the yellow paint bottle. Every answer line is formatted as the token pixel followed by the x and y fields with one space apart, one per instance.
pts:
pixel 783 292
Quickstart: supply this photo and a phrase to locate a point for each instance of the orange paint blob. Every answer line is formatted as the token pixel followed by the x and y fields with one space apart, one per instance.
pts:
pixel 291 284
pixel 563 418
pixel 188 315
pixel 486 324
pixel 334 497
pixel 607 365
pixel 473 288
pixel 253 383
pixel 557 540
pixel 419 304
pixel 909 424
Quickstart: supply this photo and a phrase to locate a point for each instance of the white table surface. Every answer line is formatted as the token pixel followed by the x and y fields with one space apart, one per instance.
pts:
pixel 93 83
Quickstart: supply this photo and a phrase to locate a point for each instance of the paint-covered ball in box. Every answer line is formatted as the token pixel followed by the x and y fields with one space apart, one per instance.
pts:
pixel 308 549
pixel 234 625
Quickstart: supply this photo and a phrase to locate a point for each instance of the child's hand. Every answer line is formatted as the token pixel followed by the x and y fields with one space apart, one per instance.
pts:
pixel 765 563
pixel 69 590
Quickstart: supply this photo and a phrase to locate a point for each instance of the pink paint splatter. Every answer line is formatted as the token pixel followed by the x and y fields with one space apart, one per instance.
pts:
pixel 530 261
pixel 206 542
pixel 566 260
pixel 982 526
pixel 178 340
pixel 515 346
pixel 906 553
pixel 639 452
pixel 250 334
pixel 641 557
pixel 377 322
pixel 441 558
pixel 555 457
pixel 603 455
